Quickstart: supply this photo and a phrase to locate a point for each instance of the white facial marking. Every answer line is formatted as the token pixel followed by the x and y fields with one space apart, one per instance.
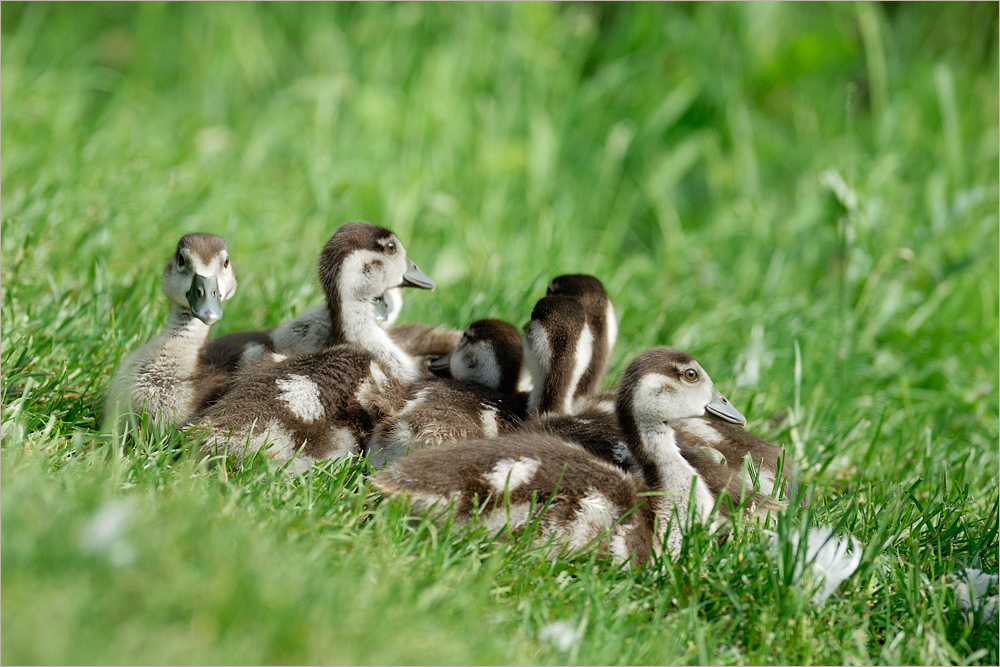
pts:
pixel 660 399
pixel 301 395
pixel 476 362
pixel 512 473
pixel 366 274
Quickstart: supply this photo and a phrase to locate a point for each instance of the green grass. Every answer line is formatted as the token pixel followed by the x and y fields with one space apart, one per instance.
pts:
pixel 822 175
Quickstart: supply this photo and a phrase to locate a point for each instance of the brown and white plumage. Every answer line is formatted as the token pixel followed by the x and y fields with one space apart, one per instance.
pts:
pixel 582 498
pixel 601 321
pixel 558 346
pixel 171 377
pixel 479 402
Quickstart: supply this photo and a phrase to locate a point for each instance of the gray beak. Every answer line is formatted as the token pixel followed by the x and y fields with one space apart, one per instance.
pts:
pixel 721 408
pixel 203 297
pixel 414 277
pixel 439 364
pixel 381 309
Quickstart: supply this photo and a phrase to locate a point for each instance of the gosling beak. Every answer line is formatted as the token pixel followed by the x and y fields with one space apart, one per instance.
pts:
pixel 721 408
pixel 414 277
pixel 381 309
pixel 203 297
pixel 439 365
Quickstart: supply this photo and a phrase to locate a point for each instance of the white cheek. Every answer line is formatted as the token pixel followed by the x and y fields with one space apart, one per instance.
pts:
pixel 227 285
pixel 357 284
pixel 486 371
pixel 537 351
pixel 176 286
pixel 660 399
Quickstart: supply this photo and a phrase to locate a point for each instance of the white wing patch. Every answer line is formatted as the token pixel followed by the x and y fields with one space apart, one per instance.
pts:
pixel 301 395
pixel 595 515
pixel 378 375
pixel 518 515
pixel 488 418
pixel 342 443
pixel 512 473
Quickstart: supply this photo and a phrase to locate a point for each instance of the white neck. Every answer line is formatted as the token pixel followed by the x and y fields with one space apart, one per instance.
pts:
pixel 677 477
pixel 361 329
pixel 581 360
pixel 539 359
pixel 184 338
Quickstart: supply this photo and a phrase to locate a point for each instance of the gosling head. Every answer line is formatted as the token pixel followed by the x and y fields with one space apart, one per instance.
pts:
pixel 489 354
pixel 361 261
pixel 664 385
pixel 582 286
pixel 558 345
pixel 199 277
pixel 600 317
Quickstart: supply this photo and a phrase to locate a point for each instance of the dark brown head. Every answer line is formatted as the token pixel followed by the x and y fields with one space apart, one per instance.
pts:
pixel 359 263
pixel 601 319
pixel 489 353
pixel 664 385
pixel 199 276
pixel 580 285
pixel 557 349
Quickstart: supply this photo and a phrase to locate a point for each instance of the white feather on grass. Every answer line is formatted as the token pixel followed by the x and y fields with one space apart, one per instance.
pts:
pixel 973 587
pixel 560 634
pixel 832 558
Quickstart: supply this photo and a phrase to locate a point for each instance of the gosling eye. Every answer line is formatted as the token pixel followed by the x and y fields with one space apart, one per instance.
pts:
pixel 691 375
pixel 225 264
pixel 180 260
pixel 390 247
pixel 471 361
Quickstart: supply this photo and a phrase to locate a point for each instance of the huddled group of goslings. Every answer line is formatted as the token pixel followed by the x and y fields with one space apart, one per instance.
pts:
pixel 483 422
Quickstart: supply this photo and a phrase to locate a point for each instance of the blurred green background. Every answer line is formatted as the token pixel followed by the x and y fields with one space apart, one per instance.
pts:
pixel 804 196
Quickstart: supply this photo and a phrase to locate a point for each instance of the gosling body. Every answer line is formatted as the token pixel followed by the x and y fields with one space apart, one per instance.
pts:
pixel 171 378
pixel 319 406
pixel 578 498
